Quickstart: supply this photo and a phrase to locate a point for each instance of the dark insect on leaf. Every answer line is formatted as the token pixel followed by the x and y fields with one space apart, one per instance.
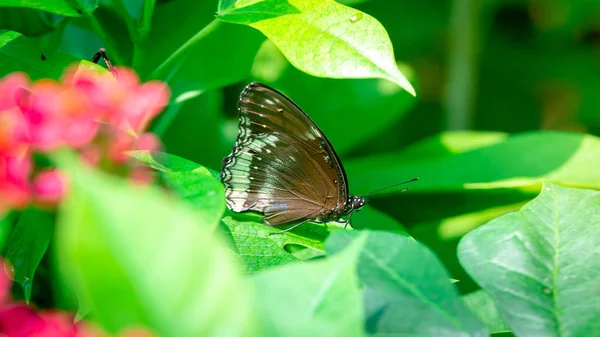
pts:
pixel 282 165
pixel 43 57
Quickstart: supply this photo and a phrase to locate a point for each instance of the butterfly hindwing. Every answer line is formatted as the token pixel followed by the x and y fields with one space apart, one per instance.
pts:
pixel 281 165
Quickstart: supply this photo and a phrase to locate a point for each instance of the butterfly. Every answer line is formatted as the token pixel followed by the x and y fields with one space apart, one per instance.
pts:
pixel 283 166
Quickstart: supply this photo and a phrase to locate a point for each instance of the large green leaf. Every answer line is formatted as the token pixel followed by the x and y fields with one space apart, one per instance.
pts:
pixel 322 37
pixel 138 257
pixel 258 249
pixel 541 265
pixel 61 7
pixel 27 245
pixel 407 291
pixel 517 162
pixel 318 298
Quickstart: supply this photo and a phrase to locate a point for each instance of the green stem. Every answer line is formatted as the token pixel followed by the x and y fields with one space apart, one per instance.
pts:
pixel 143 31
pixel 462 63
pixel 161 69
pixel 109 44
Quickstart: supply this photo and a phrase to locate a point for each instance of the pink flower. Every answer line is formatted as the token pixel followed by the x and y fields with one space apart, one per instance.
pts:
pixel 14 181
pixel 59 116
pixel 49 186
pixel 101 116
pixel 14 129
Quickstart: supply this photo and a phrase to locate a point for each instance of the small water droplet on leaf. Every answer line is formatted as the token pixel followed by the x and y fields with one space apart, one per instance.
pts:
pixel 356 17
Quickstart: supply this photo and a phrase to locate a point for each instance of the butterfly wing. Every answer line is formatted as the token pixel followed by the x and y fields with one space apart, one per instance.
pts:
pixel 281 165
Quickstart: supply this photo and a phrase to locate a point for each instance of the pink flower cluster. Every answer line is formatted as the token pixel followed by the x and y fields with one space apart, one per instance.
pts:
pixel 20 320
pixel 98 114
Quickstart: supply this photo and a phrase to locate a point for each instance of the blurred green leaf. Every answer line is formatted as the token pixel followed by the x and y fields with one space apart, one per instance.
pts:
pixel 365 106
pixel 370 218
pixel 27 21
pixel 202 117
pixel 402 278
pixel 7 222
pixel 322 38
pixel 541 265
pixel 140 258
pixel 183 51
pixel 166 162
pixel 27 245
pixel 518 162
pixel 322 298
pixel 482 305
pixel 61 7
pixel 449 143
pixel 195 184
pixel 18 53
pixel 258 249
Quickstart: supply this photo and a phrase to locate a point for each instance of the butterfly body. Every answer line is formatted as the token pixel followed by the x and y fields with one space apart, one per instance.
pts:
pixel 282 165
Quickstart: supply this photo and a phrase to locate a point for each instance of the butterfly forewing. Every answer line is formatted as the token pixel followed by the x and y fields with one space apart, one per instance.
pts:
pixel 282 164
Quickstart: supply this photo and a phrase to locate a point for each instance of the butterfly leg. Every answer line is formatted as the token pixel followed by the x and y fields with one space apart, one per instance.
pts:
pixel 289 229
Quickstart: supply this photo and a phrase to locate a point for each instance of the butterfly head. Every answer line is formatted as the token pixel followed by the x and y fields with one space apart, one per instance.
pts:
pixel 355 203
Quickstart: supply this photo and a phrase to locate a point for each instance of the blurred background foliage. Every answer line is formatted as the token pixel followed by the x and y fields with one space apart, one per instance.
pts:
pixel 482 69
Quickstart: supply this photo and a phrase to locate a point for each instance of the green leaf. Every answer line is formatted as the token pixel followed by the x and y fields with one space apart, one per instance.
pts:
pixel 6 227
pixel 322 37
pixel 166 162
pixel 138 257
pixel 18 53
pixel 482 305
pixel 449 143
pixel 517 162
pixel 27 245
pixel 190 181
pixel 61 7
pixel 258 249
pixel 403 278
pixel 318 298
pixel 203 117
pixel 370 218
pixel 541 265
pixel 27 21
pixel 182 45
pixel 320 98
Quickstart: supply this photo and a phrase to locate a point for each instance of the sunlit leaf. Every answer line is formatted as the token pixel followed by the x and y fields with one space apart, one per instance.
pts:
pixel 517 162
pixel 322 37
pixel 541 265
pixel 259 249
pixel 407 291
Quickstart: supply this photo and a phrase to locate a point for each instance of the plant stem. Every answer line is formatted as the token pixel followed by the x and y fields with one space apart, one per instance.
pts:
pixel 159 71
pixel 460 94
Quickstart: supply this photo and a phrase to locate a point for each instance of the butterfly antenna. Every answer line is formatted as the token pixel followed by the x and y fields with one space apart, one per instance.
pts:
pixel 102 54
pixel 374 193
